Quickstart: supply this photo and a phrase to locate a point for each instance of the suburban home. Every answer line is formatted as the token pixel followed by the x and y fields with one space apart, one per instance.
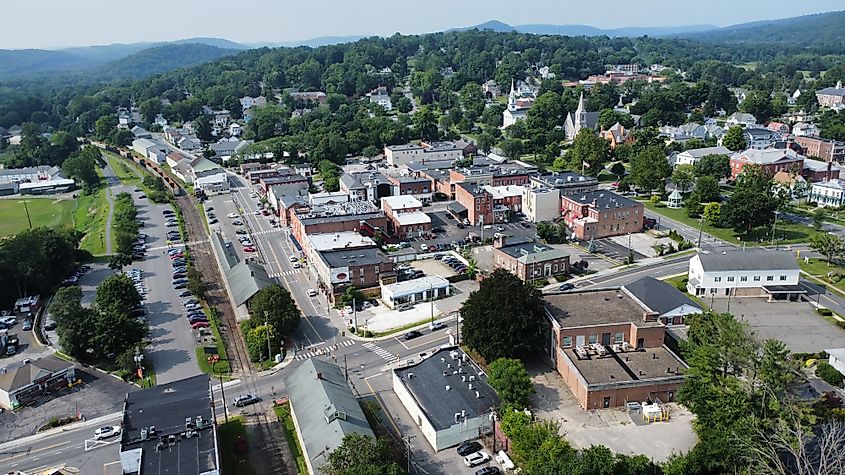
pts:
pixel 600 214
pixel 779 127
pixel 770 161
pixel 26 383
pixel 324 411
pixel 448 397
pixel 804 129
pixel 742 119
pixel 836 358
pixel 828 193
pixel 248 101
pixel 758 138
pixel 692 156
pixel 529 260
pixel 748 273
pixel 609 348
pixel 617 134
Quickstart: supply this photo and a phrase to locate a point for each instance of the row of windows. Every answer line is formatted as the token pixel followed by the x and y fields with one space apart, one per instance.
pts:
pixel 744 278
pixel 566 341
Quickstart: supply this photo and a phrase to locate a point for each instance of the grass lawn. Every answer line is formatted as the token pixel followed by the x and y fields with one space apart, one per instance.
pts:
pixel 786 233
pixel 90 217
pixel 681 281
pixel 45 212
pixel 222 365
pixel 283 413
pixel 230 460
pixel 819 269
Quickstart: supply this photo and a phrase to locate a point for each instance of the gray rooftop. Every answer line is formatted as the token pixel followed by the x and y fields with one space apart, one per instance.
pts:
pixel 166 407
pixel 353 257
pixel 595 307
pixel 658 295
pixel 702 152
pixel 651 364
pixel 246 279
pixel 603 200
pixel 428 387
pixel 752 259
pixel 325 409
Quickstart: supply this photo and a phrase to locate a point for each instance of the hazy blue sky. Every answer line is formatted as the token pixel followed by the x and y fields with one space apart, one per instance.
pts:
pixel 56 23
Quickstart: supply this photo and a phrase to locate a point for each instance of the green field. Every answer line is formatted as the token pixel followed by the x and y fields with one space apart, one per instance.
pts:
pixel 45 212
pixel 786 233
pixel 90 217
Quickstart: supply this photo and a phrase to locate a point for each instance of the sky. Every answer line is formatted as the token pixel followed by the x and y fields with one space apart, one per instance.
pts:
pixel 62 23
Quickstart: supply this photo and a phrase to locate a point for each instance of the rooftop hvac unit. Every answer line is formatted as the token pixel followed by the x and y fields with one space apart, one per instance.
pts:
pixel 448 387
pixel 477 395
pixel 472 378
pixel 144 434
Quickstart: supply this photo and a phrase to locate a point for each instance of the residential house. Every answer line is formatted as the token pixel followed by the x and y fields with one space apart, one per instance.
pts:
pixel 836 358
pixel 828 193
pixel 25 384
pixel 770 160
pixel 140 133
pixel 795 185
pixel 529 260
pixel 248 101
pixel 616 135
pixel 225 150
pixel 608 347
pixel 745 273
pixel 759 138
pixel 189 143
pixel 780 128
pixel 160 121
pixel 380 96
pixel 317 97
pixel 805 129
pixel 600 214
pixel 324 410
pixel 742 119
pixel 692 156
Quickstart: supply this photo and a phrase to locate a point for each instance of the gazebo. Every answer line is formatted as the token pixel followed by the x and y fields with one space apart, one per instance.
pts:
pixel 675 200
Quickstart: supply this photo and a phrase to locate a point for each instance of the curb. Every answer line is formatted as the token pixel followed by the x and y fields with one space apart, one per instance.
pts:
pixel 58 430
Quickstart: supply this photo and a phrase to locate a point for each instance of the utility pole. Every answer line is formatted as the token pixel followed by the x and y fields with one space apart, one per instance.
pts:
pixel 700 226
pixel 774 225
pixel 26 208
pixel 355 315
pixel 431 293
pixel 269 350
pixel 407 441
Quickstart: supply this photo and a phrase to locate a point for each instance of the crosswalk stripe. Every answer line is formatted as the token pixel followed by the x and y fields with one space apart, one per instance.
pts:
pixel 379 351
pixel 323 351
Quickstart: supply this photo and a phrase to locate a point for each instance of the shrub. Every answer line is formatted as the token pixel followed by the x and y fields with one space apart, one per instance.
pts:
pixel 825 312
pixel 828 373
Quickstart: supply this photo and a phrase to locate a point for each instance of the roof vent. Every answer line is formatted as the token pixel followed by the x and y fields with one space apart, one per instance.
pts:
pixel 448 387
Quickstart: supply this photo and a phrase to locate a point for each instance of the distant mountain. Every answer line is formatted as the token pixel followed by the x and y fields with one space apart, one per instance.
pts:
pixel 585 30
pixel 160 59
pixel 824 31
pixel 317 42
pixel 117 51
pixel 32 61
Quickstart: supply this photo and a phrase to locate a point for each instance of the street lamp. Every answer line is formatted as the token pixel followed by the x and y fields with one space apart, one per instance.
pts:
pixel 774 225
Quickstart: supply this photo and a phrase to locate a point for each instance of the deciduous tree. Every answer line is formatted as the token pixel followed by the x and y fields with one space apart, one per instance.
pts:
pixel 359 454
pixel 511 381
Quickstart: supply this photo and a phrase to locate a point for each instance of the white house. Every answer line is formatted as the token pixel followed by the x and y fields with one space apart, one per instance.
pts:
pixel 804 129
pixel 836 358
pixel 692 156
pixel 828 193
pixel 742 119
pixel 541 204
pixel 749 273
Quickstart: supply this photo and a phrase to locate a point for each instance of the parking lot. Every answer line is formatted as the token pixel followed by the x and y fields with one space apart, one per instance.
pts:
pixel 613 428
pixel 99 395
pixel 795 323
pixel 452 231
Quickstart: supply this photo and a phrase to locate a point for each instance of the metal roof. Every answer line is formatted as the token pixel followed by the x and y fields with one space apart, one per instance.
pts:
pixel 752 259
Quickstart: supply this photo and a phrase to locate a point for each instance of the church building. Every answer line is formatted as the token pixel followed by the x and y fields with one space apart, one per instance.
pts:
pixel 580 119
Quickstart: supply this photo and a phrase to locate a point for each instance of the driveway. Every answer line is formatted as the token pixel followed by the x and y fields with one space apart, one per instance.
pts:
pixel 795 323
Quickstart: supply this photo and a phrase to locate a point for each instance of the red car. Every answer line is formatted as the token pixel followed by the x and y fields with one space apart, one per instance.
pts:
pixel 249 249
pixel 196 325
pixel 177 256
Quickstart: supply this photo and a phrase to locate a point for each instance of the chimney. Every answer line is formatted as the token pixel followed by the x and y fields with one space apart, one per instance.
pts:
pixel 654 356
pixel 668 370
pixel 829 170
pixel 319 375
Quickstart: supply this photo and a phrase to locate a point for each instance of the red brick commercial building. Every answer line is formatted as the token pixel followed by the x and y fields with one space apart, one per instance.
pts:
pixel 828 150
pixel 529 260
pixel 601 214
pixel 420 187
pixel 610 349
pixel 477 204
pixel 357 216
pixel 771 161
pixel 405 217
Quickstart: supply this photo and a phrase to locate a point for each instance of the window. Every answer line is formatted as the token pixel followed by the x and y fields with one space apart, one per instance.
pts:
pixel 566 342
pixel 717 279
pixel 731 279
pixel 594 338
pixel 770 278
pixel 756 278
pixel 782 278
pixel 619 337
pixel 743 278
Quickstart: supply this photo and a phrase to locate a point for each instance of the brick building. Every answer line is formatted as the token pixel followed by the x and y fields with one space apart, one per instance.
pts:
pixel 529 260
pixel 831 96
pixel 418 186
pixel 356 216
pixel 828 150
pixel 770 160
pixel 405 217
pixel 472 203
pixel 363 268
pixel 610 349
pixel 601 214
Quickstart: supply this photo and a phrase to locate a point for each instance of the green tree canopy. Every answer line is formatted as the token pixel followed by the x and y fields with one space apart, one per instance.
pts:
pixel 359 454
pixel 510 329
pixel 734 139
pixel 650 168
pixel 588 150
pixel 274 305
pixel 511 381
pixel 715 165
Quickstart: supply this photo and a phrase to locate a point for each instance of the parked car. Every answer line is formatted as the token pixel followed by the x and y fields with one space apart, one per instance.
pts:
pixel 197 319
pixel 106 432
pixel 293 258
pixel 434 326
pixel 566 286
pixel 200 325
pixel 249 249
pixel 26 325
pixel 238 222
pixel 423 247
pixel 179 286
pixel 476 458
pixel 469 447
pixel 491 470
pixel 245 400
pixel 232 215
pixel 185 293
pixel 312 293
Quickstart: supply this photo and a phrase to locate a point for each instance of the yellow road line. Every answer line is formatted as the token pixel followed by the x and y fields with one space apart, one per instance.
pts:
pixel 30 452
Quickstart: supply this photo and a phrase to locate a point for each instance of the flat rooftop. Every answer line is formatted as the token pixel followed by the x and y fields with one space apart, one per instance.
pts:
pixel 339 240
pixel 428 387
pixel 416 217
pixel 353 257
pixel 642 365
pixel 167 407
pixel 595 307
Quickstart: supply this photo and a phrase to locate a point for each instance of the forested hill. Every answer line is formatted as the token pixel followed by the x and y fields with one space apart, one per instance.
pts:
pixel 823 33
pixel 161 59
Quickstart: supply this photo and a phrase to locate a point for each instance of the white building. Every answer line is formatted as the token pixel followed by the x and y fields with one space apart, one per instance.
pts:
pixel 447 396
pixel 804 129
pixel 327 197
pixel 213 184
pixel 741 119
pixel 404 154
pixel 836 358
pixel 750 273
pixel 828 193
pixel 415 290
pixel 692 156
pixel 517 109
pixel 541 204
